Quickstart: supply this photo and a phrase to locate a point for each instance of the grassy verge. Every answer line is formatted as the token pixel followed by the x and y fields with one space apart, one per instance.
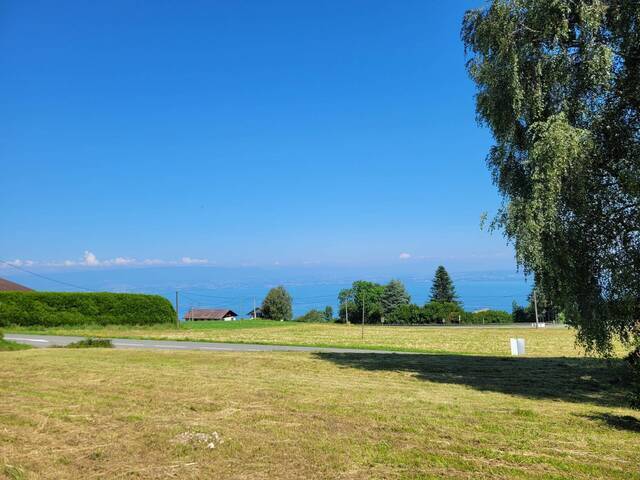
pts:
pixel 141 414
pixel 467 340
pixel 91 343
pixel 8 346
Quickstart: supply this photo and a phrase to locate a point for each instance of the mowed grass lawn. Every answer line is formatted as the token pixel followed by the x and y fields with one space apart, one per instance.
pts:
pixel 465 340
pixel 103 413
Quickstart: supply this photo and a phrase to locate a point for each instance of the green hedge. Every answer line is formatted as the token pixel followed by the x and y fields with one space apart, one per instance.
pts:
pixel 53 309
pixel 444 313
pixel 487 317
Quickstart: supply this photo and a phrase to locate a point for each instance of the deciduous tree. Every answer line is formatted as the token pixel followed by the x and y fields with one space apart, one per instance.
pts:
pixel 558 84
pixel 277 304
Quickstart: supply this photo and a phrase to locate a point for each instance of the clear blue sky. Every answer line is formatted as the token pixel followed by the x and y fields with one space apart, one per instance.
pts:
pixel 244 132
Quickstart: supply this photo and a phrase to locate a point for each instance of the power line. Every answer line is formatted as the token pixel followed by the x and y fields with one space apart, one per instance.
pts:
pixel 329 295
pixel 214 296
pixel 45 277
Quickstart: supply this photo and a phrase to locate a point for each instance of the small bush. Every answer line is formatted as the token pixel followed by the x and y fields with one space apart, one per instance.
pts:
pixel 443 312
pixel 488 317
pixel 52 309
pixel 406 315
pixel 91 343
pixel 312 316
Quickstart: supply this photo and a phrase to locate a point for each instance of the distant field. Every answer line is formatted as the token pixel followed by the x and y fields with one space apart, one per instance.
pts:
pixel 463 340
pixel 142 414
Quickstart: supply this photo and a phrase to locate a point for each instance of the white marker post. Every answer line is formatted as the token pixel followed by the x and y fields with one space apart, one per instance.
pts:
pixel 517 346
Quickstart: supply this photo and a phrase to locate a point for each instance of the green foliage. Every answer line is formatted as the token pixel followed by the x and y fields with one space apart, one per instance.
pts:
pixel 393 296
pixel 442 289
pixel 328 313
pixel 547 311
pixel 442 312
pixel 445 312
pixel 406 315
pixel 520 314
pixel 64 308
pixel 91 343
pixel 392 303
pixel 559 87
pixel 277 304
pixel 487 317
pixel 362 293
pixel 312 316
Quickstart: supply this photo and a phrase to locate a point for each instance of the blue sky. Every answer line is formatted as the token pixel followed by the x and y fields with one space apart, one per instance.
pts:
pixel 241 133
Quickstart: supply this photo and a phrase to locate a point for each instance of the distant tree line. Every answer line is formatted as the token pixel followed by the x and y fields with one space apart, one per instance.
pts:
pixel 391 304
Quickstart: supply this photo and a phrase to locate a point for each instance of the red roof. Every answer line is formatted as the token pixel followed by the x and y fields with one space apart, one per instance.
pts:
pixel 209 314
pixel 8 286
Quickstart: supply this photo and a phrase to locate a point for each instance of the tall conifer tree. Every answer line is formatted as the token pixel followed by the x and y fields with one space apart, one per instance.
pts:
pixel 442 289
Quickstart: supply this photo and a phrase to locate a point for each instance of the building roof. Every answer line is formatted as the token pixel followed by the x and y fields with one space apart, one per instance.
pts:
pixel 209 313
pixel 8 286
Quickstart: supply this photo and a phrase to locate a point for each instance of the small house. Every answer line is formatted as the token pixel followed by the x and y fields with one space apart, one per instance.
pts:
pixel 210 314
pixel 255 313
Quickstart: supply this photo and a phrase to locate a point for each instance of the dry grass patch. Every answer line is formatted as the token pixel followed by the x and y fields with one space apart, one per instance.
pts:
pixel 146 414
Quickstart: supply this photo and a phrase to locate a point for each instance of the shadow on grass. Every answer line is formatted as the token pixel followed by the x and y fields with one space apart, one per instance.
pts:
pixel 585 380
pixel 621 422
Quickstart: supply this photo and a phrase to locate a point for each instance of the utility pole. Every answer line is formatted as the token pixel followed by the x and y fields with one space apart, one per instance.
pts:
pixel 363 315
pixel 535 304
pixel 346 307
pixel 177 311
pixel 254 308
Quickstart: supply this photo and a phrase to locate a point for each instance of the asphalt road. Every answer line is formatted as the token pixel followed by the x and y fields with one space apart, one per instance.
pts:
pixel 58 340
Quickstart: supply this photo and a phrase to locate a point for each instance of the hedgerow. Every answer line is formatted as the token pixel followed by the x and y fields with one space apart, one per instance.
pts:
pixel 445 313
pixel 53 309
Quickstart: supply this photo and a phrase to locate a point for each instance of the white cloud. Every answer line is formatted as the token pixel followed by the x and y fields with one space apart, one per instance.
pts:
pixel 124 261
pixel 194 261
pixel 90 259
pixel 404 256
pixel 153 261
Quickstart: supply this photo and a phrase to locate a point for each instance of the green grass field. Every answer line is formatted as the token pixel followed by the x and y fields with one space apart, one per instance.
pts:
pixel 470 411
pixel 103 413
pixel 463 340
